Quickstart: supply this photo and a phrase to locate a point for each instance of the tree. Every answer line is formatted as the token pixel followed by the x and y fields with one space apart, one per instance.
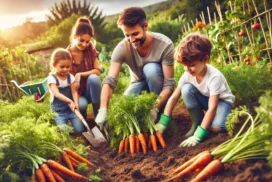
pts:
pixel 65 9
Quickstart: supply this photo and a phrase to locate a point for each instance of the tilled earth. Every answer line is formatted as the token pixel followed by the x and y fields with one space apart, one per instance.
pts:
pixel 157 166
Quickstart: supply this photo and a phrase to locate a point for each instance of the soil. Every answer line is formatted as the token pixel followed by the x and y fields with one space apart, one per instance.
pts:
pixel 157 166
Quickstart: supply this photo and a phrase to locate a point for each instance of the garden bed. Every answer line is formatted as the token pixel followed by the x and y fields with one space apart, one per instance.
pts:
pixel 156 166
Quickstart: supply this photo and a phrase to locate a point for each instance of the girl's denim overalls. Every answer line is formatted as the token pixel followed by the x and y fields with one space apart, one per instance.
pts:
pixel 63 110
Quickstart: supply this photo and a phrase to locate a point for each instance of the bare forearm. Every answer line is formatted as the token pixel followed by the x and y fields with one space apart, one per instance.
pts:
pixel 170 106
pixel 208 118
pixel 164 96
pixel 88 73
pixel 106 95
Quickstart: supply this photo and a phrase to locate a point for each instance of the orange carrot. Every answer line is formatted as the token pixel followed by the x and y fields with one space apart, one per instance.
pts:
pixel 160 139
pixel 211 169
pixel 153 143
pixel 126 144
pixel 149 145
pixel 132 144
pixel 74 164
pixel 45 169
pixel 201 161
pixel 189 162
pixel 67 160
pixel 53 164
pixel 61 174
pixel 137 144
pixel 33 178
pixel 56 176
pixel 40 175
pixel 145 133
pixel 121 146
pixel 73 159
pixel 143 142
pixel 78 157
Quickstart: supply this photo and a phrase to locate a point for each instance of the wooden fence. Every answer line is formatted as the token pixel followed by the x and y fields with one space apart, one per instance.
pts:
pixel 218 17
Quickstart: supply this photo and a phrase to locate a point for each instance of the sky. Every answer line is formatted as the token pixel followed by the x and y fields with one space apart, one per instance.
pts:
pixel 15 12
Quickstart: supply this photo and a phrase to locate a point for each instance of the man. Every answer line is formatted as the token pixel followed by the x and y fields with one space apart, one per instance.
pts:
pixel 149 57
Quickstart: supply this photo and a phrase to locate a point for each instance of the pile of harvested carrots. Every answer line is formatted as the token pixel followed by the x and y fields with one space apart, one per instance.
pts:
pixel 53 170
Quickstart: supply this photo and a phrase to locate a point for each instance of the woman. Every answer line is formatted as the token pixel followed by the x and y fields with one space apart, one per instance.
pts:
pixel 85 66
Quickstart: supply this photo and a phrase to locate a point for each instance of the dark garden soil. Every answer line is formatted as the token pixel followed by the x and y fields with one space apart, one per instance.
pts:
pixel 157 166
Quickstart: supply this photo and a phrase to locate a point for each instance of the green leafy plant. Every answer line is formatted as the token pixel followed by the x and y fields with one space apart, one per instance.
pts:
pixel 95 177
pixel 82 167
pixel 126 110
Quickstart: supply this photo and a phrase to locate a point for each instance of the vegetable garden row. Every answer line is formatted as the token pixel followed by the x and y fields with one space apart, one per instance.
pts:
pixel 31 143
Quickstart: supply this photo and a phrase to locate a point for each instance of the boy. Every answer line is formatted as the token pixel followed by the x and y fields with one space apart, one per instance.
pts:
pixel 203 87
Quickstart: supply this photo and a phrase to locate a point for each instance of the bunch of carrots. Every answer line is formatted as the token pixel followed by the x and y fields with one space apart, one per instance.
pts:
pixel 129 117
pixel 249 145
pixel 137 141
pixel 53 170
pixel 143 141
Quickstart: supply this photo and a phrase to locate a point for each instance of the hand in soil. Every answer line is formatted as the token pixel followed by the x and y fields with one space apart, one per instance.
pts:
pixel 101 118
pixel 190 142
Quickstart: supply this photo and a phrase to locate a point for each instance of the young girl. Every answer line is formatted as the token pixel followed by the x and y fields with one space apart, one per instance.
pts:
pixel 62 94
pixel 85 66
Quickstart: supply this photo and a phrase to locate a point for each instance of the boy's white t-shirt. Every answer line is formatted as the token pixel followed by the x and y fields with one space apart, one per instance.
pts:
pixel 62 83
pixel 213 83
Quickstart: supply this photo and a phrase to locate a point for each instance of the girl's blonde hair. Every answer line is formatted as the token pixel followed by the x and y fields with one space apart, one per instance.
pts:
pixel 57 55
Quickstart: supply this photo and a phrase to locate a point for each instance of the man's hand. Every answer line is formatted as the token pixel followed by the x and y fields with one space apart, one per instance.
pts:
pixel 199 135
pixel 163 123
pixel 101 118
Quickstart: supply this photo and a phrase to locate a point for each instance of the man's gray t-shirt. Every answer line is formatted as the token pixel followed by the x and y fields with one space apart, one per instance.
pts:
pixel 162 52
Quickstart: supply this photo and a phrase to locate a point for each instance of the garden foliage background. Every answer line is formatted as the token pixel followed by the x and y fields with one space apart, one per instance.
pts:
pixel 241 51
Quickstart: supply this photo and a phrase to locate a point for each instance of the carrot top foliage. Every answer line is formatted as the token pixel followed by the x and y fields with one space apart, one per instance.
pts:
pixel 27 125
pixel 124 111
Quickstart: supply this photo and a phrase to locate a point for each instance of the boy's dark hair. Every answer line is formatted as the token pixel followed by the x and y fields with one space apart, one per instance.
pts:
pixel 132 16
pixel 193 47
pixel 82 26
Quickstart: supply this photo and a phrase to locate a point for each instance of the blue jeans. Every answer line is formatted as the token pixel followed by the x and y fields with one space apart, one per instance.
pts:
pixel 193 98
pixel 91 94
pixel 66 114
pixel 153 80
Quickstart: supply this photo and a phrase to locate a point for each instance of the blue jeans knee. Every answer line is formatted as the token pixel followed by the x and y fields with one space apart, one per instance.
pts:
pixel 93 89
pixel 82 104
pixel 222 112
pixel 77 124
pixel 191 96
pixel 154 77
pixel 63 117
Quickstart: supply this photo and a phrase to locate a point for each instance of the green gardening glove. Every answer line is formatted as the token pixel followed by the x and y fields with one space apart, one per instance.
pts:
pixel 199 135
pixel 163 123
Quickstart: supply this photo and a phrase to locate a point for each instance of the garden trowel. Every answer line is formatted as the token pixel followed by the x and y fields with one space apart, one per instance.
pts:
pixel 94 135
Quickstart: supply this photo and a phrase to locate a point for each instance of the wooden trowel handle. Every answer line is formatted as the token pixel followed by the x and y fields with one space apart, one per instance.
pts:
pixel 79 115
